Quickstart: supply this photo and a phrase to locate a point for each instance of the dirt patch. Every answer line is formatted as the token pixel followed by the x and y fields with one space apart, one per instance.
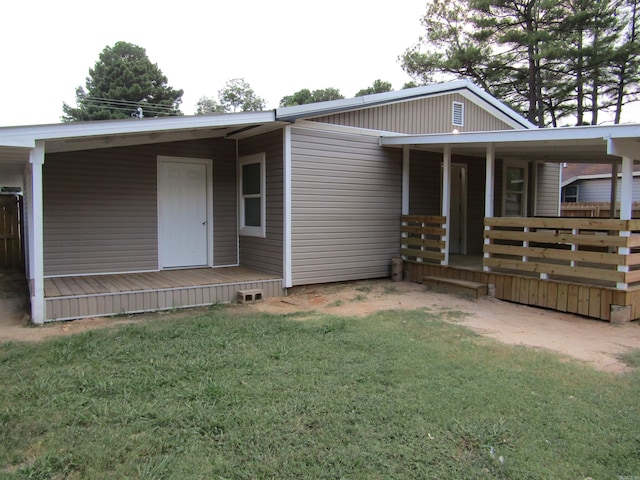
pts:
pixel 594 342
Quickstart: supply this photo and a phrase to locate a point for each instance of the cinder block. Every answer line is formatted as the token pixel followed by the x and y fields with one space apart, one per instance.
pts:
pixel 253 295
pixel 620 314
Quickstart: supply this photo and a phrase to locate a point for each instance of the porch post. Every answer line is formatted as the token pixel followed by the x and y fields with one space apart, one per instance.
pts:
pixel 614 188
pixel 626 190
pixel 489 191
pixel 406 152
pixel 36 237
pixel 287 266
pixel 446 201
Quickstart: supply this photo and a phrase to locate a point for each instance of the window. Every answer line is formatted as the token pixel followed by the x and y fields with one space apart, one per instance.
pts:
pixel 457 114
pixel 514 199
pixel 251 188
pixel 570 193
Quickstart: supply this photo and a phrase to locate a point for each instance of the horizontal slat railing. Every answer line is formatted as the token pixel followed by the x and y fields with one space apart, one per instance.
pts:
pixel 423 238
pixel 577 249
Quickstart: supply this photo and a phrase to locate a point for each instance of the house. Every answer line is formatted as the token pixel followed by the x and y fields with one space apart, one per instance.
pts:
pixel 584 182
pixel 148 214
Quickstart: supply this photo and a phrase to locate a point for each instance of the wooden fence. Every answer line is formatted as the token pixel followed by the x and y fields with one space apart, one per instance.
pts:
pixel 601 251
pixel 594 209
pixel 10 234
pixel 423 238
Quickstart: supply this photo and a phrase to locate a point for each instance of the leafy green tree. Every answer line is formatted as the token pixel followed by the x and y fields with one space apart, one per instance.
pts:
pixel 208 106
pixel 237 94
pixel 305 96
pixel 123 83
pixel 378 87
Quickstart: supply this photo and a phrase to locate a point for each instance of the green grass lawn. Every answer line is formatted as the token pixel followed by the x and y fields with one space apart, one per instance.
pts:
pixel 229 394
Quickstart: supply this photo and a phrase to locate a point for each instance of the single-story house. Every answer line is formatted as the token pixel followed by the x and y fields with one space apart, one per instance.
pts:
pixel 160 213
pixel 591 182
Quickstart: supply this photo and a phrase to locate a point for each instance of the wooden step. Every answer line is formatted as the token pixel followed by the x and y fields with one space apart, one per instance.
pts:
pixel 454 286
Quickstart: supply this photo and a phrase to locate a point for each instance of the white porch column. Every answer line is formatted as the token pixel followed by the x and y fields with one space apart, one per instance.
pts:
pixel 36 237
pixel 489 193
pixel 626 190
pixel 287 265
pixel 446 200
pixel 406 151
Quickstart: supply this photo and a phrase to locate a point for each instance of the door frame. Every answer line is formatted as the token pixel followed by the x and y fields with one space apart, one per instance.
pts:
pixel 209 199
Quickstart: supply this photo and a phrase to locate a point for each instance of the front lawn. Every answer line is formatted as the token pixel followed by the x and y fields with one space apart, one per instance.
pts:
pixel 230 394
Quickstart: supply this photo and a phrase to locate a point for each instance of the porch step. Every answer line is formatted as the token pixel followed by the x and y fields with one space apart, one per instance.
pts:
pixel 252 295
pixel 457 287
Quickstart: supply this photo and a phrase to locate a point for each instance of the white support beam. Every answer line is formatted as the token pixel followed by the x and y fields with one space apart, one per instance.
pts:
pixel 614 188
pixel 489 186
pixel 36 236
pixel 622 148
pixel 287 267
pixel 626 189
pixel 446 200
pixel 406 168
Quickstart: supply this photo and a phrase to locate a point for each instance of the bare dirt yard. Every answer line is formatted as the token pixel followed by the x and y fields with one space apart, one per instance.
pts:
pixel 594 342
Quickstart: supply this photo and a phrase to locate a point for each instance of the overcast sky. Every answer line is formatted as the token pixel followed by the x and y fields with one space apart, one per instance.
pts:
pixel 278 46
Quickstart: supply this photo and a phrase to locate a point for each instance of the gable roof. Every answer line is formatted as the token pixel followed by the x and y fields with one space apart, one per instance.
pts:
pixel 463 87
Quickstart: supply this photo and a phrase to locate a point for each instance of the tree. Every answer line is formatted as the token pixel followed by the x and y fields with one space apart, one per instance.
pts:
pixel 378 87
pixel 237 94
pixel 549 59
pixel 122 82
pixel 304 96
pixel 207 106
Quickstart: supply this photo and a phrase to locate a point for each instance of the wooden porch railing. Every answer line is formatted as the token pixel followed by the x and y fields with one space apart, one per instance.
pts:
pixel 576 249
pixel 423 238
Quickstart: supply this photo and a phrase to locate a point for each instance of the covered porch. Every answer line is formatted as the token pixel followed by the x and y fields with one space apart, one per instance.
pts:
pixel 586 266
pixel 75 297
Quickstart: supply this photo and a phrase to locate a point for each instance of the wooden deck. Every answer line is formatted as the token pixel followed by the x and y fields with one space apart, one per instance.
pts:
pixel 69 298
pixel 581 298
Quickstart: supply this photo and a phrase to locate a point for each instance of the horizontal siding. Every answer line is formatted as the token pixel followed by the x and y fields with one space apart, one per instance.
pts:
pixel 548 189
pixel 346 205
pixel 266 254
pixel 599 190
pixel 100 206
pixel 420 116
pixel 225 206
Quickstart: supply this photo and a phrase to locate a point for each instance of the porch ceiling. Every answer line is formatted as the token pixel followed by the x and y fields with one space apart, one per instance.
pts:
pixel 570 144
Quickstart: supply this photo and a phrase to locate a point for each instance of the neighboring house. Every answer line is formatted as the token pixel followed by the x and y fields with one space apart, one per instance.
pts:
pixel 584 182
pixel 147 214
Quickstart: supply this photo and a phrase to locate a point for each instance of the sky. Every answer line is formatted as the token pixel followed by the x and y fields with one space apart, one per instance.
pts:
pixel 278 46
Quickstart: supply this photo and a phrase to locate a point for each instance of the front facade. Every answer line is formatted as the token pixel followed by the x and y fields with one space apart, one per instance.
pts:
pixel 140 215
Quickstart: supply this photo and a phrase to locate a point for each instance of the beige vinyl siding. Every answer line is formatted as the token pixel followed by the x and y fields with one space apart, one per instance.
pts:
pixel 100 207
pixel 421 116
pixel 346 205
pixel 548 189
pixel 266 254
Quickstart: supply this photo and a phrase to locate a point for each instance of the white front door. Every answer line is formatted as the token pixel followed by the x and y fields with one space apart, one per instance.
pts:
pixel 183 213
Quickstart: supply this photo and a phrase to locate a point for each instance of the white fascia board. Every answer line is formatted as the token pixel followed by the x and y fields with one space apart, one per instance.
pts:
pixel 464 87
pixel 604 132
pixel 27 135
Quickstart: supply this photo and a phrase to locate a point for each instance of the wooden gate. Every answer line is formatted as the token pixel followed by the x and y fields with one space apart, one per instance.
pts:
pixel 10 232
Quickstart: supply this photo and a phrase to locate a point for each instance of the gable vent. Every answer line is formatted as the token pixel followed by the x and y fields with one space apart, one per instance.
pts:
pixel 457 114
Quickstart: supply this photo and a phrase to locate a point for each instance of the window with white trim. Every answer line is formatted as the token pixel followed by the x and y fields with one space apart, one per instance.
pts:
pixel 514 190
pixel 251 192
pixel 457 114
